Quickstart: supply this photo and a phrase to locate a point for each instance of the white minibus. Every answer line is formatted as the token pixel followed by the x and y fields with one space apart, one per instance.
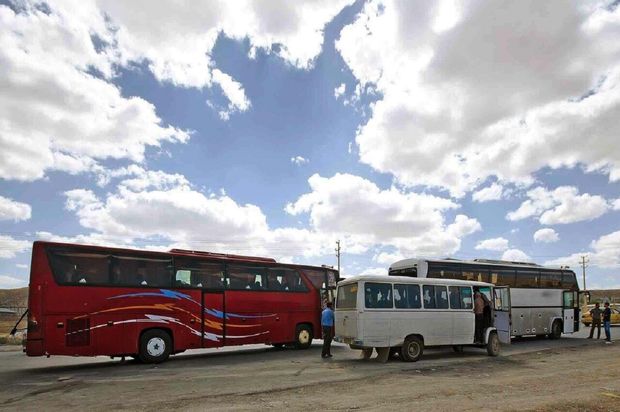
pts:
pixel 403 315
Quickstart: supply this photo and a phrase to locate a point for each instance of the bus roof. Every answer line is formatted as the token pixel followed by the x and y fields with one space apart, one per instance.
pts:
pixel 407 279
pixel 222 257
pixel 406 263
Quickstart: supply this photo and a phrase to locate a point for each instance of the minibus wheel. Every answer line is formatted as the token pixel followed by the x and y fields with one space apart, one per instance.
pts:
pixel 303 337
pixel 493 344
pixel 412 349
pixel 155 346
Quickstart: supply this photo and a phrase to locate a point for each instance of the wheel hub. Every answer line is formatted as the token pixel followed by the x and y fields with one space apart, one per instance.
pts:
pixel 413 350
pixel 304 336
pixel 156 347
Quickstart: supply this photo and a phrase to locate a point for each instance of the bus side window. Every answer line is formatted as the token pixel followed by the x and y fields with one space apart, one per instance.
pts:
pixel 455 297
pixel 378 295
pixel 407 296
pixel 428 295
pixel 466 298
pixel 141 271
pixel 79 268
pixel 441 297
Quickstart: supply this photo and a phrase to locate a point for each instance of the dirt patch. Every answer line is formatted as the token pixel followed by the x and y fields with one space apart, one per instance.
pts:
pixel 584 379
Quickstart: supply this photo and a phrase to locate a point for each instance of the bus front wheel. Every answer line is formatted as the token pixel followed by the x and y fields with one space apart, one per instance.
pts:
pixel 303 337
pixel 155 346
pixel 556 330
pixel 493 344
pixel 412 349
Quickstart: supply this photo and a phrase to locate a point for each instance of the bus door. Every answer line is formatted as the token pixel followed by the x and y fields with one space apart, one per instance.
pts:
pixel 501 313
pixel 328 289
pixel 213 318
pixel 570 311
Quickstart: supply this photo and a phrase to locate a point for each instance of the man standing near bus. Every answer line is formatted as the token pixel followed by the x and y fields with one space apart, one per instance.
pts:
pixel 596 312
pixel 479 311
pixel 607 322
pixel 327 324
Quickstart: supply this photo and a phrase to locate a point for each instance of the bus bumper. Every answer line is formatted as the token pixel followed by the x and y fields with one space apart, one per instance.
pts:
pixel 34 347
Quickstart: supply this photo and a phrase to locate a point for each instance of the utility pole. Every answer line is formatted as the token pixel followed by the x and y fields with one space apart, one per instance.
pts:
pixel 338 255
pixel 584 263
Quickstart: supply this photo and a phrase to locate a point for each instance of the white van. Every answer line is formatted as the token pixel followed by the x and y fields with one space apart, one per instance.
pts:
pixel 403 315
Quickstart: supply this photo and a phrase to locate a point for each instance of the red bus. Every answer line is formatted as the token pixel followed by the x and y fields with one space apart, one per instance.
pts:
pixel 90 300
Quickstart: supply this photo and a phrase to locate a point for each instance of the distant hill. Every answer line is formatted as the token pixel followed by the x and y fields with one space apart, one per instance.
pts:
pixel 14 297
pixel 602 295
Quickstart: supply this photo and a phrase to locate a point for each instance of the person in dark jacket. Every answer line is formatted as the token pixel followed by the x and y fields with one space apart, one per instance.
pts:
pixel 596 312
pixel 607 322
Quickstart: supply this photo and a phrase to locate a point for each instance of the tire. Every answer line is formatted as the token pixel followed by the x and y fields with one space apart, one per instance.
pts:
pixel 493 344
pixel 556 330
pixel 155 346
pixel 412 349
pixel 303 337
pixel 457 348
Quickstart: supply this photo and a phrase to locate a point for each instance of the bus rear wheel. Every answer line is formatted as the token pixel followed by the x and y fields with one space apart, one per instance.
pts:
pixel 303 337
pixel 493 344
pixel 556 330
pixel 155 346
pixel 412 349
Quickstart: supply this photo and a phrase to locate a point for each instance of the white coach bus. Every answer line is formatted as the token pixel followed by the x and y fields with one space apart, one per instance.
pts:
pixel 403 315
pixel 544 300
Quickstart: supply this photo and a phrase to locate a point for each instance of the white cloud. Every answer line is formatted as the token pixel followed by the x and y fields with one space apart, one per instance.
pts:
pixel 13 210
pixel 604 253
pixel 21 266
pixel 80 118
pixel 485 89
pixel 515 255
pixel 233 90
pixel 339 91
pixel 493 192
pixel 546 235
pixel 10 247
pixel 10 282
pixel 176 41
pixel 299 160
pixel 157 210
pixel 616 204
pixel 497 244
pixel 54 72
pixel 413 223
pixel 559 206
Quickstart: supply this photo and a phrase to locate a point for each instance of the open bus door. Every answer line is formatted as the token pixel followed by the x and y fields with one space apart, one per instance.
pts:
pixel 570 311
pixel 502 317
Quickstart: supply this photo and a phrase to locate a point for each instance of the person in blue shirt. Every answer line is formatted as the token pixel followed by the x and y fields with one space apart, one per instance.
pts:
pixel 327 324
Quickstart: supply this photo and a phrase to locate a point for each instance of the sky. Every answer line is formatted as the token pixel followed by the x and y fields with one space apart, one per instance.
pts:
pixel 466 129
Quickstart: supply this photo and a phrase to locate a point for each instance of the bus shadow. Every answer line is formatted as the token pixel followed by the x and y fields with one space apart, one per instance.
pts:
pixel 200 359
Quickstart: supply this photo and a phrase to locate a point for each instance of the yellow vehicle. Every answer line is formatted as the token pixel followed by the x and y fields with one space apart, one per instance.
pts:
pixel 586 318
